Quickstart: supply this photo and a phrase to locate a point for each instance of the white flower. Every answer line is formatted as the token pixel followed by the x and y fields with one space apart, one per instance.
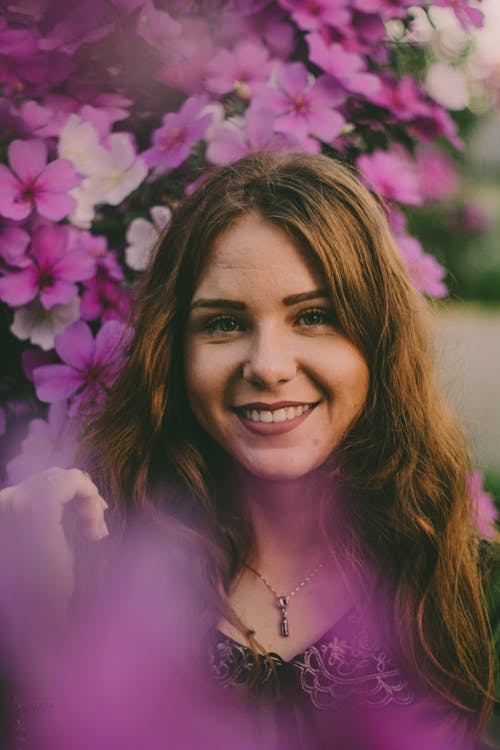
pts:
pixel 447 86
pixel 41 326
pixel 79 142
pixel 120 171
pixel 110 172
pixel 142 236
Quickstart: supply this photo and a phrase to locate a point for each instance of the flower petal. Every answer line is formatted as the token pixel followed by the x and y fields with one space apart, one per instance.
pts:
pixel 109 343
pixel 75 345
pixel 12 204
pixel 58 176
pixel 19 287
pixel 56 382
pixel 75 266
pixel 54 206
pixel 60 292
pixel 27 159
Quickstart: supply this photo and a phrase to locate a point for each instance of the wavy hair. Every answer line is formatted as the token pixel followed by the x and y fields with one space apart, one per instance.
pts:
pixel 404 461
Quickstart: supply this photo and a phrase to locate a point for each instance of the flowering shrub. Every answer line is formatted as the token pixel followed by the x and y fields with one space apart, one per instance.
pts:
pixel 112 109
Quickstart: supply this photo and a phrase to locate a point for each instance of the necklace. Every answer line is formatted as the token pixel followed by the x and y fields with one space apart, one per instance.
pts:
pixel 283 599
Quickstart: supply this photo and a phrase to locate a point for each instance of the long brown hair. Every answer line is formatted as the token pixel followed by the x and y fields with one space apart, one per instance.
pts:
pixel 404 460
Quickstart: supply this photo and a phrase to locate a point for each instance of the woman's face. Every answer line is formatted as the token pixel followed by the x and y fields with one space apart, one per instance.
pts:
pixel 269 377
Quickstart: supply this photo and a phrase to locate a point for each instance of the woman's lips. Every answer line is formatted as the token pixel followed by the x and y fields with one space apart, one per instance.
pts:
pixel 274 428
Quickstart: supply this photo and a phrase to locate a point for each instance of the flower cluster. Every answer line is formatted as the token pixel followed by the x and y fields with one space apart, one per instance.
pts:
pixel 111 109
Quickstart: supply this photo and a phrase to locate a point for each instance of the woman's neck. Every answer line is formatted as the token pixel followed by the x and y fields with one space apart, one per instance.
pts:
pixel 286 521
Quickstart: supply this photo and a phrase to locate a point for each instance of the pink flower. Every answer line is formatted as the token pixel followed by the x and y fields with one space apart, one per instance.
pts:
pixel 33 183
pixel 237 70
pixel 13 244
pixel 403 98
pixel 384 8
pixel 437 174
pixel 485 513
pixel 302 105
pixel 105 296
pixel 423 269
pixel 254 132
pixel 105 299
pixel 90 366
pixel 392 175
pixel 51 273
pixel 345 67
pixel 464 11
pixel 157 27
pixel 313 14
pixel 187 57
pixel 172 142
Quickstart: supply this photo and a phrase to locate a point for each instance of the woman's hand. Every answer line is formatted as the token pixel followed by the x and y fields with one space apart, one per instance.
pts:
pixel 40 520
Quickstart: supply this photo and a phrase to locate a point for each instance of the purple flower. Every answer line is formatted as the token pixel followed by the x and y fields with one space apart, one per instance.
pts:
pixel 385 8
pixel 392 175
pixel 423 269
pixel 51 273
pixel 302 105
pixel 237 70
pixel 3 422
pixel 403 98
pixel 157 27
pixel 41 121
pixel 187 57
pixel 345 67
pixel 90 366
pixel 33 183
pixel 437 174
pixel 313 14
pixel 105 299
pixel 255 132
pixel 172 142
pixel 13 244
pixel 484 511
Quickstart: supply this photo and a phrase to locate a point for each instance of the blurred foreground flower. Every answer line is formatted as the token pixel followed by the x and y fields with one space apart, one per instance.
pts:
pixel 50 442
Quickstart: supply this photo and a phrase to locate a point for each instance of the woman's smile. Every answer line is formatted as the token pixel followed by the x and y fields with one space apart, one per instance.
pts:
pixel 269 375
pixel 274 419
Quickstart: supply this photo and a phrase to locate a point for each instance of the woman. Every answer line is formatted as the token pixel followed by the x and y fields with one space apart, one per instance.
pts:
pixel 278 408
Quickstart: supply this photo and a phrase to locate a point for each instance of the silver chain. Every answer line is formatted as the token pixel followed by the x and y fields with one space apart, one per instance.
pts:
pixel 282 600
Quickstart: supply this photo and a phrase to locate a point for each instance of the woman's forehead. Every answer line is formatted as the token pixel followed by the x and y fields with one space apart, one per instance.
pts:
pixel 254 253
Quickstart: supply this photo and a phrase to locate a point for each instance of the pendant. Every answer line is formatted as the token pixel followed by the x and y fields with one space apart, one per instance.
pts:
pixel 283 603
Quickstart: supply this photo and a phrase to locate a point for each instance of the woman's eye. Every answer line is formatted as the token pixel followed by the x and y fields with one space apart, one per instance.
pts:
pixel 221 325
pixel 315 317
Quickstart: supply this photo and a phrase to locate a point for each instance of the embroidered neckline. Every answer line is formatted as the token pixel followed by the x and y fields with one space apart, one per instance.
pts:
pixel 345 666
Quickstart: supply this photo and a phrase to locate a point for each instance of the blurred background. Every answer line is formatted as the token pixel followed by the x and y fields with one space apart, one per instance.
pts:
pixel 462 229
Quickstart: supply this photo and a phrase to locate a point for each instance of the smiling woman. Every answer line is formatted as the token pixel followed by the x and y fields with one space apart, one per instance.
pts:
pixel 269 376
pixel 279 421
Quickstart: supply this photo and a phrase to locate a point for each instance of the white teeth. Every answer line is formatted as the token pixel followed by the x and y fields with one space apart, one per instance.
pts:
pixel 278 415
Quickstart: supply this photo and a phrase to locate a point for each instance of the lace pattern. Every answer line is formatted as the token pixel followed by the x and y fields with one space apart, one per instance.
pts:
pixel 342 668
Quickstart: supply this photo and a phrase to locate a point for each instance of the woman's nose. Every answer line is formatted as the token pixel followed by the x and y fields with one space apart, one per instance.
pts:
pixel 270 360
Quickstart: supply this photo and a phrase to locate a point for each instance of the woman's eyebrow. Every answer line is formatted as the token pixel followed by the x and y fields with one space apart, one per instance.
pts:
pixel 291 299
